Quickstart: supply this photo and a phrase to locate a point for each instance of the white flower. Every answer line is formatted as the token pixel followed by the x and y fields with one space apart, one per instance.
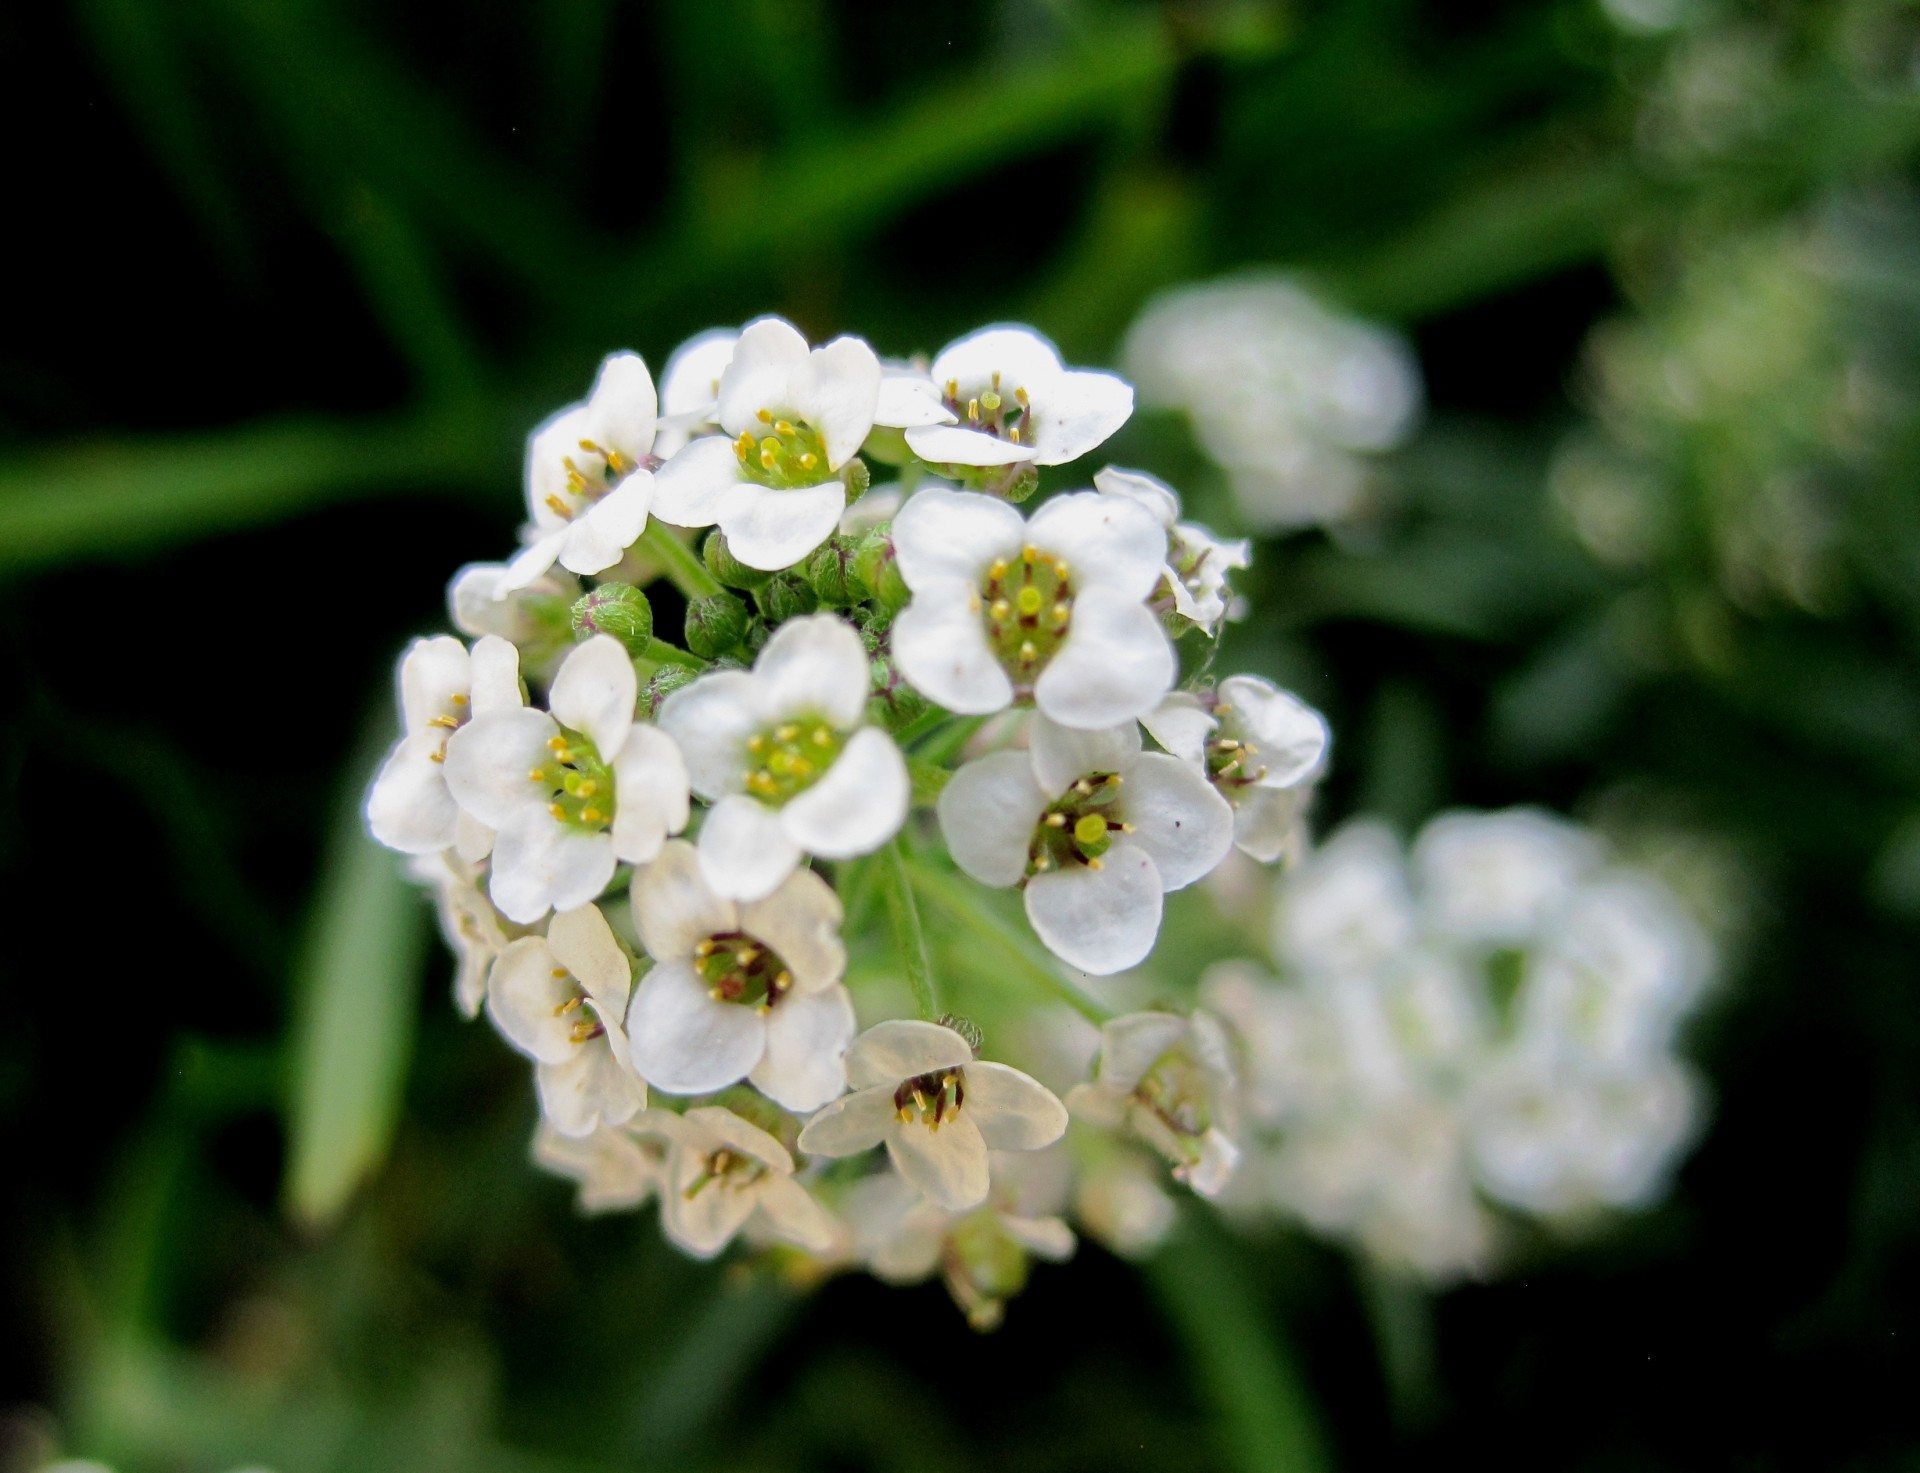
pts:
pixel 1498 878
pixel 783 755
pixel 1197 562
pixel 1262 748
pixel 1168 1079
pixel 559 999
pixel 1347 907
pixel 918 1088
pixel 572 792
pixel 468 921
pixel 1014 400
pixel 616 1170
pixel 1053 610
pixel 442 687
pixel 479 601
pixel 739 991
pixel 588 485
pixel 792 419
pixel 721 1172
pixel 1094 828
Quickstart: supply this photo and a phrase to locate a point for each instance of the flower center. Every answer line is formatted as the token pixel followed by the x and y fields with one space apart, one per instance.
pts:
pixel 930 1098
pixel 1079 826
pixel 1231 764
pixel 782 453
pixel 1006 415
pixel 734 1168
pixel 587 1025
pixel 1178 1093
pixel 591 474
pixel 459 711
pixel 791 758
pixel 1027 605
pixel 578 784
pixel 737 968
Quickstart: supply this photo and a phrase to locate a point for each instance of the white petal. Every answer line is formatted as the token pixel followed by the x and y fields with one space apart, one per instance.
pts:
pixel 687 1042
pixel 988 812
pixel 852 1124
pixel 836 391
pixel 860 803
pixel 710 721
pixel 806 1042
pixel 1132 1044
pixel 909 400
pixel 1081 411
pixel 588 1090
pixel 690 489
pixel 903 1048
pixel 772 529
pixel 1021 357
pixel 496 676
pixel 583 943
pixel 1108 541
pixel 801 922
pixel 1266 821
pixel 650 793
pixel 1178 818
pixel 1101 921
pixel 1044 1237
pixel 472 840
pixel 948 1165
pixel 1012 1111
pixel 705 1222
pixel 540 864
pixel 409 807
pixel 815 665
pixel 769 353
pixel 1219 1157
pixel 1062 755
pixel 957 445
pixel 722 1127
pixel 690 383
pixel 489 759
pixel 1290 736
pixel 791 1213
pixel 674 909
pixel 940 645
pixel 621 410
pixel 432 673
pixel 940 534
pixel 524 1000
pixel 532 561
pixel 744 851
pixel 1181 725
pixel 1149 491
pixel 595 691
pixel 600 537
pixel 1115 666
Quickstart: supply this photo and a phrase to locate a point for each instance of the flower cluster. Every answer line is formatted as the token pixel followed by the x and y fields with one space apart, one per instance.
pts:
pixel 1460 1039
pixel 1285 394
pixel 646 853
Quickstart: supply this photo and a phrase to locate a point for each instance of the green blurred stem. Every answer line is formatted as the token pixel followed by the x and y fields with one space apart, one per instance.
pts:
pixel 662 653
pixel 948 736
pixel 680 563
pixel 1400 1314
pixel 957 898
pixel 907 930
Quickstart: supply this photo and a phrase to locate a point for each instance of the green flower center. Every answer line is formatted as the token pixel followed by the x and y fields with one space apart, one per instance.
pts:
pixel 734 1168
pixel 930 1098
pixel 1232 763
pixel 790 758
pixel 737 968
pixel 1178 1093
pixel 783 453
pixel 1027 606
pixel 1005 415
pixel 578 784
pixel 1079 826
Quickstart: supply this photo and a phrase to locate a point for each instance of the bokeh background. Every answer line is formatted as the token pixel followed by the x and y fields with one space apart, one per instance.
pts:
pixel 291 279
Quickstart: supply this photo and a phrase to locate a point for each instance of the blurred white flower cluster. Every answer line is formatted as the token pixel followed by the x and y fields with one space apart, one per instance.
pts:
pixel 1289 396
pixel 645 852
pixel 1452 1040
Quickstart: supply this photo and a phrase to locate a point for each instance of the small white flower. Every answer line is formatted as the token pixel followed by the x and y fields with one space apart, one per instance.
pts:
pixel 1169 1080
pixel 616 1170
pixel 792 419
pixel 1197 562
pixel 784 756
pixel 1011 399
pixel 739 991
pixel 1262 748
pixel 690 389
pixel 1053 610
pixel 588 483
pixel 1497 878
pixel 918 1088
pixel 472 927
pixel 721 1172
pixel 442 687
pixel 1347 907
pixel 479 601
pixel 571 790
pixel 1094 828
pixel 559 999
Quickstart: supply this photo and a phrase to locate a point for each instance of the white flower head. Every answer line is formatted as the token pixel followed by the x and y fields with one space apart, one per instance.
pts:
pixel 481 600
pixel 616 1170
pixel 1195 577
pixel 1095 830
pixel 1010 399
pixel 722 1173
pixel 1170 1081
pixel 1262 748
pixel 739 991
pixel 1347 907
pixel 783 753
pixel 1052 610
pixel 918 1088
pixel 589 486
pixel 1499 878
pixel 559 999
pixel 792 419
pixel 443 686
pixel 472 927
pixel 570 790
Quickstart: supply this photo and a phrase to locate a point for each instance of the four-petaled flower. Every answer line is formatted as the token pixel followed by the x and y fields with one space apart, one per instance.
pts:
pixel 722 1171
pixel 1195 576
pixel 1011 399
pixel 1168 1079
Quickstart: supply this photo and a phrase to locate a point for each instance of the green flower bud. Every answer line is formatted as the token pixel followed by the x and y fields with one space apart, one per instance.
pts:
pixel 857 478
pixel 728 568
pixel 666 680
pixel 831 572
pixel 894 704
pixel 880 572
pixel 618 609
pixel 787 597
pixel 715 624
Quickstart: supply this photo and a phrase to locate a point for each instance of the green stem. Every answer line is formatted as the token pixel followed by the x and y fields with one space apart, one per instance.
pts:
pixel 663 653
pixel 680 563
pixel 947 740
pixel 958 900
pixel 907 931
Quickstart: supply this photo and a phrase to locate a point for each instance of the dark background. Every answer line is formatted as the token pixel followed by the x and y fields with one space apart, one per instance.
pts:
pixel 289 282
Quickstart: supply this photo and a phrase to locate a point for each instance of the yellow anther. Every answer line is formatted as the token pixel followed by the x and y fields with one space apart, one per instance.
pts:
pixel 717 994
pixel 557 811
pixel 703 948
pixel 592 815
pixel 973 409
pixel 953 388
pixel 1021 395
pixel 1056 820
pixel 1029 553
pixel 783 427
pixel 800 766
pixel 1043 862
pixel 1095 864
pixel 1013 433
pixel 1061 611
pixel 538 774
pixel 616 462
pixel 921 1101
pixel 765 416
pixel 439 756
pixel 999 608
pixel 768 460
pixel 1113 779
pixel 1029 652
pixel 1121 828
pixel 559 508
pixel 457 699
pixel 903 1114
pixel 556 973
pixel 1222 707
pixel 822 737
pixel 998 570
pixel 809 460
pixel 1083 788
pixel 558 746
pixel 1060 569
pixel 782 980
pixel 585 1029
pixel 785 734
pixel 446 721
pixel 747 955
pixel 756 744
pixel 587 788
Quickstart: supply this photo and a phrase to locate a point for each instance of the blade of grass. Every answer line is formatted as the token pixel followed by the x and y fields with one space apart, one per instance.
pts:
pixel 907 932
